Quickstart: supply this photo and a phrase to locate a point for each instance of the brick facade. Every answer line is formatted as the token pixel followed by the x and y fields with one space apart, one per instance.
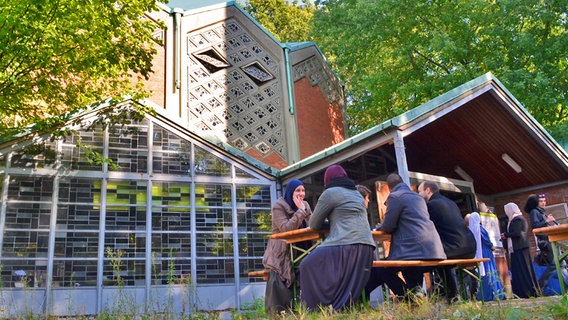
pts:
pixel 554 195
pixel 320 123
pixel 156 83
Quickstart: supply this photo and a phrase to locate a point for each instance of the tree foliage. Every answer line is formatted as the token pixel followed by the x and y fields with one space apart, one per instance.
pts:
pixel 288 21
pixel 396 54
pixel 59 55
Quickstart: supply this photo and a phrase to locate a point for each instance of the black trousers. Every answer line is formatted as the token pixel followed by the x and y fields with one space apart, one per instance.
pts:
pixel 413 277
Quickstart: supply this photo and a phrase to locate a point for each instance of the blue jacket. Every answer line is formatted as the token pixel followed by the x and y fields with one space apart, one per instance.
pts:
pixel 414 236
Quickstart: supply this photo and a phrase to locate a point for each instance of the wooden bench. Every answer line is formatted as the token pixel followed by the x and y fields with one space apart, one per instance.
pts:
pixel 259 273
pixel 463 263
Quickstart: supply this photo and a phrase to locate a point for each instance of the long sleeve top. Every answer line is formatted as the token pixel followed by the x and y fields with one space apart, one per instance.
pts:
pixel 277 254
pixel 347 215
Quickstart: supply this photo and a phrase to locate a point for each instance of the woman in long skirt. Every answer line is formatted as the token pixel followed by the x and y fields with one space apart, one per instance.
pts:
pixel 523 277
pixel 335 273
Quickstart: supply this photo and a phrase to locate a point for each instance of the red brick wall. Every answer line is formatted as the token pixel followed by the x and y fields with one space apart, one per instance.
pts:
pixel 156 84
pixel 274 160
pixel 320 123
pixel 554 195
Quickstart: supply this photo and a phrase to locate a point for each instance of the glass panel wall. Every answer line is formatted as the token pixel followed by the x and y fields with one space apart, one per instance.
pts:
pixel 189 201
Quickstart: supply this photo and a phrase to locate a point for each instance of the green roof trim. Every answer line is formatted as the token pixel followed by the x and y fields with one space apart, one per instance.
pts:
pixel 188 5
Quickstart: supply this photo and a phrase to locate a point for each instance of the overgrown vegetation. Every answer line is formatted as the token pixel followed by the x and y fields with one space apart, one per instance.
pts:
pixel 393 55
pixel 555 307
pixel 541 308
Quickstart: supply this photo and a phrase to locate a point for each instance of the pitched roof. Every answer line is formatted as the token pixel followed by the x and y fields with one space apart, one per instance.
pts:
pixel 471 126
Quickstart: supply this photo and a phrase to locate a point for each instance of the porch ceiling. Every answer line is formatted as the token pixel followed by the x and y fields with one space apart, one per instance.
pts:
pixel 474 137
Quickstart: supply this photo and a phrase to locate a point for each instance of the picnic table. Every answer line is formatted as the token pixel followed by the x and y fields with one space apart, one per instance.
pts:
pixel 555 235
pixel 297 252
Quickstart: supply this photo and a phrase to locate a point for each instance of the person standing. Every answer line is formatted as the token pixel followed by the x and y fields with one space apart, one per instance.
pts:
pixel 539 218
pixel 457 239
pixel 491 286
pixel 413 237
pixel 288 213
pixel 523 277
pixel 336 272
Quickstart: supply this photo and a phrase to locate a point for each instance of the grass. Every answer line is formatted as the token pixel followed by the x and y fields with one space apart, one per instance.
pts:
pixel 122 307
pixel 555 307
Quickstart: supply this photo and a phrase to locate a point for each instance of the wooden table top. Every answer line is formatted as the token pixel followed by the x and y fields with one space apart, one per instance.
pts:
pixel 554 233
pixel 304 234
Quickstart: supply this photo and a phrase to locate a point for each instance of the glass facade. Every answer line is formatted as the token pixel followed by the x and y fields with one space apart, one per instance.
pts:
pixel 165 209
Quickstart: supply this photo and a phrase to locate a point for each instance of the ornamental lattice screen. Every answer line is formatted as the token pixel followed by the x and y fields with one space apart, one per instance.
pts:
pixel 234 89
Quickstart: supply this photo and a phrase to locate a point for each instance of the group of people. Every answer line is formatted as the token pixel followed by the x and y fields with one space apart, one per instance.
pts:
pixel 524 281
pixel 424 225
pixel 336 272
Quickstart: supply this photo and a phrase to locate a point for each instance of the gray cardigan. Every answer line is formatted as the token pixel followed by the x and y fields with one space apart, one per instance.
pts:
pixel 347 215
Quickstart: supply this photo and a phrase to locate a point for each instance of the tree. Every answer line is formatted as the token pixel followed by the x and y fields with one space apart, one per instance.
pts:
pixel 288 21
pixel 396 54
pixel 56 56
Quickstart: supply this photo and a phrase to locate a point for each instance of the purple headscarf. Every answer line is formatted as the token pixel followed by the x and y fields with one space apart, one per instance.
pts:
pixel 333 172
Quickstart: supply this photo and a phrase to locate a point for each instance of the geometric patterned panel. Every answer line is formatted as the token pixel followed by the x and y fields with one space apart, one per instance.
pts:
pixel 320 75
pixel 234 89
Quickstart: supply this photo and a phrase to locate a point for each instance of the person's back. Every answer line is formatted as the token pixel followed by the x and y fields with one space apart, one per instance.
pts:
pixel 336 272
pixel 347 215
pixel 457 239
pixel 414 235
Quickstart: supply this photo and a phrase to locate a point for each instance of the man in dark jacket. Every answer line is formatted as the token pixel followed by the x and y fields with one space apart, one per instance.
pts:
pixel 457 239
pixel 413 237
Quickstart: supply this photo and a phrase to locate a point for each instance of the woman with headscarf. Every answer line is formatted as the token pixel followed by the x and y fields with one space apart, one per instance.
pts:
pixel 290 212
pixel 491 286
pixel 523 277
pixel 335 273
pixel 534 207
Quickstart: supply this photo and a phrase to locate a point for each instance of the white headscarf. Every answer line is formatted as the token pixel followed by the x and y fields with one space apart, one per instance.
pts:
pixel 475 227
pixel 512 211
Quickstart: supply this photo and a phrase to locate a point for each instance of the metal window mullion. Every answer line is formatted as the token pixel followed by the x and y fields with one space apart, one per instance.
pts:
pixel 148 254
pixel 51 242
pixel 193 223
pixel 52 229
pixel 102 225
pixel 5 186
pixel 235 239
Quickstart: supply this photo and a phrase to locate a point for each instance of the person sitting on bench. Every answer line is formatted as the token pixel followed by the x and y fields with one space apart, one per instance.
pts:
pixel 457 239
pixel 413 237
